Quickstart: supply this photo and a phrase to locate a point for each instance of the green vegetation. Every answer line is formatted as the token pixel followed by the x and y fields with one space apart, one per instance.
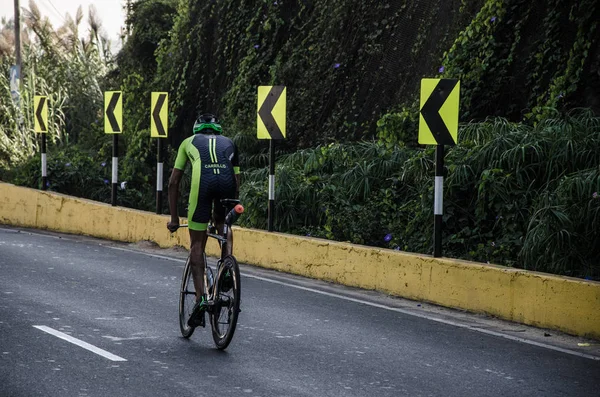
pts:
pixel 67 70
pixel 523 183
pixel 515 195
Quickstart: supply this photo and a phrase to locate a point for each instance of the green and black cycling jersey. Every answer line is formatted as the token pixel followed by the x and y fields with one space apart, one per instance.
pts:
pixel 214 160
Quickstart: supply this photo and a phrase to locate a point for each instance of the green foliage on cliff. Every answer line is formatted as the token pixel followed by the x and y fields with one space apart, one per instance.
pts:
pixel 522 183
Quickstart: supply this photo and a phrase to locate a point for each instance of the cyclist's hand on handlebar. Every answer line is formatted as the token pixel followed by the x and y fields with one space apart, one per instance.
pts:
pixel 173 225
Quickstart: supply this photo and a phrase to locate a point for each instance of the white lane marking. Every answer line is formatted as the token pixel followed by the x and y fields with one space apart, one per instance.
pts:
pixel 395 309
pixel 80 343
pixel 117 339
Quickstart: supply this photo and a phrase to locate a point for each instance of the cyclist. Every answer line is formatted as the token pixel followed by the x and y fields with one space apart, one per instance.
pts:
pixel 215 176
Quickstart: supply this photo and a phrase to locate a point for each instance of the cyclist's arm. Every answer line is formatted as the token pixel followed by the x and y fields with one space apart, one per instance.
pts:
pixel 236 171
pixel 176 175
pixel 174 181
pixel 237 186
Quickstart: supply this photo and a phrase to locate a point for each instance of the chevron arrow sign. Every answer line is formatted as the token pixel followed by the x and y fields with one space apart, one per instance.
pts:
pixel 438 120
pixel 159 121
pixel 113 112
pixel 40 106
pixel 271 116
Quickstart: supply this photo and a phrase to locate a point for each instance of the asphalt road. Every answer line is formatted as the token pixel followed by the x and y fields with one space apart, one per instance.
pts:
pixel 296 337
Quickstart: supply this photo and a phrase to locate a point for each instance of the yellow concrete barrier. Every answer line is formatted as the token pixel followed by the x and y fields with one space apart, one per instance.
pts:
pixel 543 300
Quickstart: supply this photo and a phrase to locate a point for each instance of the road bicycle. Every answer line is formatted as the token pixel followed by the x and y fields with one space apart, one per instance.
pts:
pixel 222 292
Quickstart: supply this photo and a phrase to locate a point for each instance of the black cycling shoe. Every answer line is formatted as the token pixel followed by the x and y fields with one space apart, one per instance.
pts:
pixel 197 320
pixel 197 317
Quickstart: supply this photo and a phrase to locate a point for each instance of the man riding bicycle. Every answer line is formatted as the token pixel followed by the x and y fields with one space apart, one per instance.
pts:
pixel 215 176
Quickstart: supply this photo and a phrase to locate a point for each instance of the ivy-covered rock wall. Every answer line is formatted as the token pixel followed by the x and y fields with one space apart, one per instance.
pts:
pixel 351 63
pixel 345 62
pixel 518 59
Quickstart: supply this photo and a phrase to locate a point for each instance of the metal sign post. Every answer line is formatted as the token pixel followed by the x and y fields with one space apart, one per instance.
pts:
pixel 44 164
pixel 438 205
pixel 115 170
pixel 438 125
pixel 271 208
pixel 113 124
pixel 40 125
pixel 159 128
pixel 159 176
pixel 271 124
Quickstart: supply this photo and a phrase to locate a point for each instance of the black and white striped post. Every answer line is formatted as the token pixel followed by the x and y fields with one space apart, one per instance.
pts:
pixel 159 177
pixel 115 169
pixel 44 164
pixel 40 125
pixel 113 124
pixel 438 125
pixel 438 206
pixel 271 124
pixel 271 213
pixel 159 128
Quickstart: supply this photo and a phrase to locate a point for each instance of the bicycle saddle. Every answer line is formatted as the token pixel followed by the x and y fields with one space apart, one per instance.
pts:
pixel 230 202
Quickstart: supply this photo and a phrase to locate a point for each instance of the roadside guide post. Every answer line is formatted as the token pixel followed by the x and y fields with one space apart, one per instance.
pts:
pixel 438 125
pixel 271 124
pixel 40 126
pixel 113 124
pixel 159 128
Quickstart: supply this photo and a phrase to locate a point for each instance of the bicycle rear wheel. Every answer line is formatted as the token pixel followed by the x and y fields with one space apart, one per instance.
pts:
pixel 225 312
pixel 187 299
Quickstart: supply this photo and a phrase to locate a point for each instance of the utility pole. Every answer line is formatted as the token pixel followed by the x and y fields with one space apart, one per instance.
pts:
pixel 18 36
pixel 16 71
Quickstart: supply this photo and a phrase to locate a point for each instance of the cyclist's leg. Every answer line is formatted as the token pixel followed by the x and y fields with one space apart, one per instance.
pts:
pixel 227 190
pixel 219 220
pixel 197 226
pixel 197 223
pixel 197 246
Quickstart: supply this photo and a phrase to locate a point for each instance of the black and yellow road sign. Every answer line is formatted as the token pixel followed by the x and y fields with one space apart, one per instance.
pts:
pixel 438 120
pixel 271 112
pixel 40 121
pixel 113 112
pixel 159 121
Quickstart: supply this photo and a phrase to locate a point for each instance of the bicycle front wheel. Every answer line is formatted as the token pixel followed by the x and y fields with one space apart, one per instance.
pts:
pixel 187 299
pixel 227 302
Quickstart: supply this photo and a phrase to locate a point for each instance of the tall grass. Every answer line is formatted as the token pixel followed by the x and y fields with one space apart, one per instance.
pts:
pixel 57 64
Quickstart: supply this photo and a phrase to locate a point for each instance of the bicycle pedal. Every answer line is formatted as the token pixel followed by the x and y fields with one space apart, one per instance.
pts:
pixel 195 322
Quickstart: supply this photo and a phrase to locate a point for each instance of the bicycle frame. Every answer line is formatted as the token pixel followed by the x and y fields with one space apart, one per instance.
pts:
pixel 223 245
pixel 222 239
pixel 220 301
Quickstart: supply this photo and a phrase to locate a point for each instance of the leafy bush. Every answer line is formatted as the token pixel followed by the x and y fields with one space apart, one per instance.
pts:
pixel 70 171
pixel 515 195
pixel 80 173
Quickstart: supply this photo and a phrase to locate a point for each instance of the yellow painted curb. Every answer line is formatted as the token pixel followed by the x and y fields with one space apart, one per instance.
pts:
pixel 562 303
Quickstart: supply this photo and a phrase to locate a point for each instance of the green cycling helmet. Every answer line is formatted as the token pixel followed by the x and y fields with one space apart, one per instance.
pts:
pixel 207 122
